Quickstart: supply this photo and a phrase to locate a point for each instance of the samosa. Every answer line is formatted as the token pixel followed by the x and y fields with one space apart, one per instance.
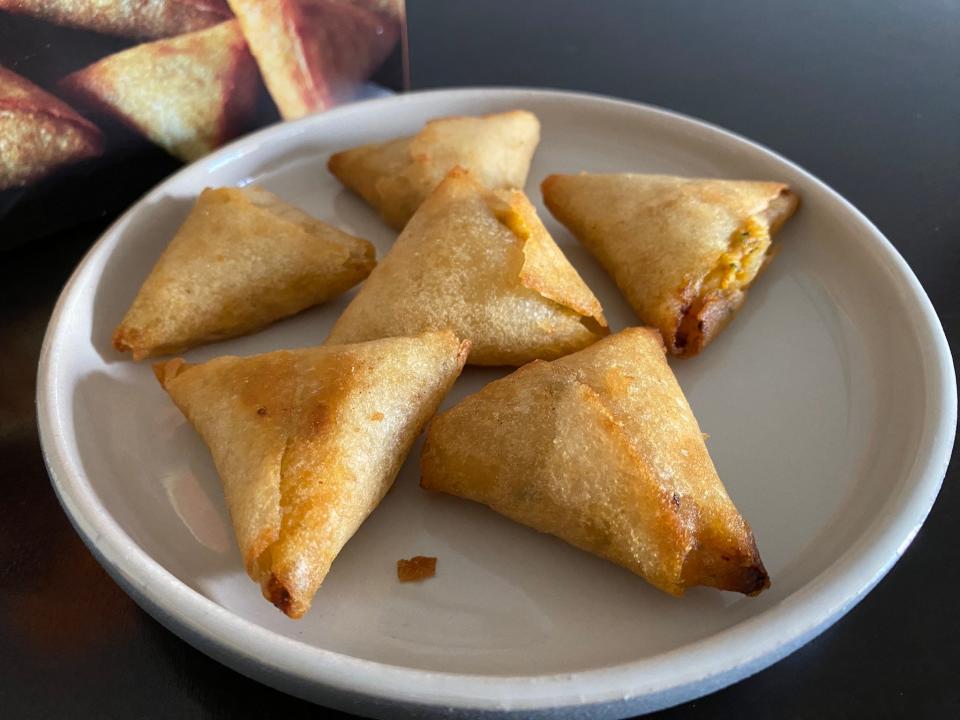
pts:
pixel 313 53
pixel 307 442
pixel 601 449
pixel 242 259
pixel 683 251
pixel 189 94
pixel 480 262
pixel 140 19
pixel 39 133
pixel 396 176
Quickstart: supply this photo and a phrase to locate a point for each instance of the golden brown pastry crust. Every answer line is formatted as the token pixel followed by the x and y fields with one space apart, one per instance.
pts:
pixel 39 133
pixel 312 53
pixel 480 262
pixel 307 442
pixel 242 259
pixel 395 177
pixel 601 449
pixel 129 18
pixel 189 94
pixel 660 237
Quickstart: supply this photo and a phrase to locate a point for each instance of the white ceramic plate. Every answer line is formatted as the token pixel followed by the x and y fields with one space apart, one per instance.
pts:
pixel 830 402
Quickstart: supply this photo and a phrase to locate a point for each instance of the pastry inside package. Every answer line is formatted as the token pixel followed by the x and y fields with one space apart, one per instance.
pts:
pixel 102 99
pixel 307 443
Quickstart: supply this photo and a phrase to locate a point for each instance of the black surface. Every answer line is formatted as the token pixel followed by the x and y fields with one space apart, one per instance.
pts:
pixel 864 94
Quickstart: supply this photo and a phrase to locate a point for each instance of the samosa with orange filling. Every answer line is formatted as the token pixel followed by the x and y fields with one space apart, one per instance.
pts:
pixel 480 262
pixel 242 259
pixel 396 176
pixel 600 448
pixel 308 442
pixel 683 251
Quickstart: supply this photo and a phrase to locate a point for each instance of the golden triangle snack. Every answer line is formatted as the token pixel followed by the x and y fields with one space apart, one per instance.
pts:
pixel 189 94
pixel 307 442
pixel 140 19
pixel 242 259
pixel 683 251
pixel 396 176
pixel 479 262
pixel 601 449
pixel 39 133
pixel 313 52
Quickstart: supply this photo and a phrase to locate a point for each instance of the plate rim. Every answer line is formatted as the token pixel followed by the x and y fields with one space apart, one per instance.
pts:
pixel 646 684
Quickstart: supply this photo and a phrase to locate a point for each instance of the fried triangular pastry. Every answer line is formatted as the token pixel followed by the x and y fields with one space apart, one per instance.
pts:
pixel 601 449
pixel 307 443
pixel 145 19
pixel 242 259
pixel 396 176
pixel 189 94
pixel 683 251
pixel 39 133
pixel 479 262
pixel 312 53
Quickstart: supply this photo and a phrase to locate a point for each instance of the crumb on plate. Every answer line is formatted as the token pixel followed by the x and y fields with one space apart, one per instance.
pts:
pixel 416 568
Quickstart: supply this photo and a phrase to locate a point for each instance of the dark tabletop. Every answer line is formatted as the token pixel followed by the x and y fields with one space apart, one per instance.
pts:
pixel 865 94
